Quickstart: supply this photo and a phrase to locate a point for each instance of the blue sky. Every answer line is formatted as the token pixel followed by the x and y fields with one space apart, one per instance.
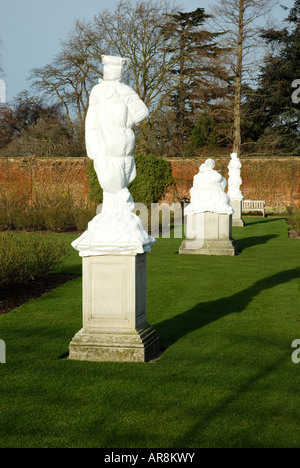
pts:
pixel 31 31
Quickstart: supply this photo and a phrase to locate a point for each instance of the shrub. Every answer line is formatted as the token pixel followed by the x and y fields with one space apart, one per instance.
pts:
pixel 46 208
pixel 95 191
pixel 82 215
pixel 294 219
pixel 154 176
pixel 25 256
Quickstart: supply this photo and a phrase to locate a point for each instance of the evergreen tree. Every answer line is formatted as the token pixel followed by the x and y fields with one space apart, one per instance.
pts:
pixel 276 115
pixel 198 71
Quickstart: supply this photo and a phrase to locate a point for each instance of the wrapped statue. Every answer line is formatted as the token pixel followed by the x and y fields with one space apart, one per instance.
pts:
pixel 208 191
pixel 114 109
pixel 235 180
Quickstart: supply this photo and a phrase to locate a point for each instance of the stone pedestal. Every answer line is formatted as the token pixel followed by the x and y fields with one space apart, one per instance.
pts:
pixel 237 219
pixel 114 311
pixel 209 234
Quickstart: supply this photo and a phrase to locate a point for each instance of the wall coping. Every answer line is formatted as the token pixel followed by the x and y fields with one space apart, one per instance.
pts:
pixel 245 158
pixel 194 159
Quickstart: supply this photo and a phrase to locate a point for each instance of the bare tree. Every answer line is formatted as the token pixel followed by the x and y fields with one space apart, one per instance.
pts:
pixel 143 31
pixel 136 31
pixel 241 21
pixel 133 31
pixel 31 127
pixel 69 78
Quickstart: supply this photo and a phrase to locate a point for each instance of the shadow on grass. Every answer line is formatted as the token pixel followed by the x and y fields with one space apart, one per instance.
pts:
pixel 250 222
pixel 253 241
pixel 171 330
pixel 245 439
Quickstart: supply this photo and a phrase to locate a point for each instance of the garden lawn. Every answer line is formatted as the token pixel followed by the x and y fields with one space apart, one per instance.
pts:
pixel 225 378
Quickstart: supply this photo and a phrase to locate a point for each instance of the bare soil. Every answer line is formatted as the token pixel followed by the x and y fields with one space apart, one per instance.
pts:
pixel 15 295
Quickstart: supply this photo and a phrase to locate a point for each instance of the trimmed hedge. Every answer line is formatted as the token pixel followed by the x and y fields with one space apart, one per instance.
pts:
pixel 46 209
pixel 26 256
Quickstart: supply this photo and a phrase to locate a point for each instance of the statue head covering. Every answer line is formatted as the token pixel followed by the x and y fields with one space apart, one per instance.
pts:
pixel 208 164
pixel 113 67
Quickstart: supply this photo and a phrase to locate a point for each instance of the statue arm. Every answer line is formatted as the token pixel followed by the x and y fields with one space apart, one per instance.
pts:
pixel 91 116
pixel 91 125
pixel 137 110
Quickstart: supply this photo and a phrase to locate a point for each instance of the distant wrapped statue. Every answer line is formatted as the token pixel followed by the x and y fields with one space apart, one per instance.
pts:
pixel 235 180
pixel 114 109
pixel 208 191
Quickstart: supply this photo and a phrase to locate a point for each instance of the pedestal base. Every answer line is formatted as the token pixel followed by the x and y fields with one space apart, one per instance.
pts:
pixel 115 325
pixel 209 233
pixel 238 222
pixel 209 247
pixel 118 346
pixel 237 215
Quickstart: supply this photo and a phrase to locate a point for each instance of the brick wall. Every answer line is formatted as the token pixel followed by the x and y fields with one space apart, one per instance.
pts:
pixel 275 180
pixel 23 175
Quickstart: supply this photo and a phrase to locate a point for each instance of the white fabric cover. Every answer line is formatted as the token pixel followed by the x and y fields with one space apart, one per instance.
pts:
pixel 207 193
pixel 114 109
pixel 235 180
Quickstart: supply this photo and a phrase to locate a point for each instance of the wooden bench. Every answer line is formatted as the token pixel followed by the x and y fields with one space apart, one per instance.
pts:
pixel 254 205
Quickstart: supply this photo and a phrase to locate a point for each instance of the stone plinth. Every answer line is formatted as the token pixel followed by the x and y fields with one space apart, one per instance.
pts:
pixel 115 324
pixel 209 234
pixel 237 219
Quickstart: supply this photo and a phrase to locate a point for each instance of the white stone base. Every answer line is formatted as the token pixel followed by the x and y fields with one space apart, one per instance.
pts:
pixel 122 346
pixel 237 215
pixel 209 234
pixel 114 311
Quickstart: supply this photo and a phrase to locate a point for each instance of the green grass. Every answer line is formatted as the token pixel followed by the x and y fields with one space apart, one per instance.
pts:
pixel 225 378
